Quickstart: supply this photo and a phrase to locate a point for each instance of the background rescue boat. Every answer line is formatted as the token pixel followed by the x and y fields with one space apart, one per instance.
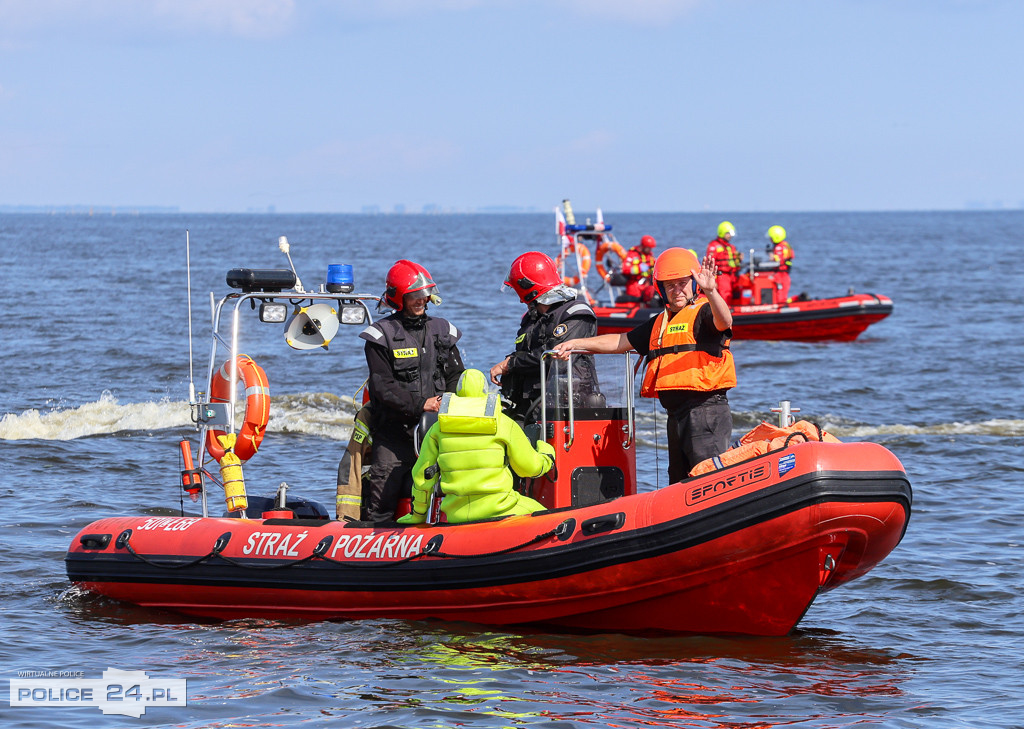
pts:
pixel 843 318
pixel 759 310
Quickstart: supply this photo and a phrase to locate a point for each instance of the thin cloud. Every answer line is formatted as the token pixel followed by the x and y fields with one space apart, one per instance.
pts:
pixel 376 157
pixel 643 12
pixel 246 18
pixel 595 142
pixel 268 18
pixel 588 149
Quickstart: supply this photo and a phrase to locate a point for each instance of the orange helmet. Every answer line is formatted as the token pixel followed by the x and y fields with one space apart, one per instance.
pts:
pixel 406 277
pixel 531 275
pixel 675 263
pixel 648 242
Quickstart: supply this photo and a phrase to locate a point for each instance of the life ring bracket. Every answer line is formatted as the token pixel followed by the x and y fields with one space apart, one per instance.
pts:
pixel 257 408
pixel 604 267
pixel 584 259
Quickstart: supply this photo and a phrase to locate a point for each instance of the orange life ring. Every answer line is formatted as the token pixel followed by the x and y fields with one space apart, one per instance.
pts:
pixel 584 254
pixel 257 407
pixel 603 250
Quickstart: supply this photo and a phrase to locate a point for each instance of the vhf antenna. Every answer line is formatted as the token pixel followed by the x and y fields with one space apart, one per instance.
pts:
pixel 188 270
pixel 282 243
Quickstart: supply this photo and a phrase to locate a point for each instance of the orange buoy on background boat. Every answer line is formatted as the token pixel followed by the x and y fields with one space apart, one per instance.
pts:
pixel 583 254
pixel 609 247
pixel 257 407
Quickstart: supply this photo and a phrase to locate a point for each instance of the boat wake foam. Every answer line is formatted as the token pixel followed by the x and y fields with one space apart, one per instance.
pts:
pixel 998 427
pixel 319 414
pixel 329 416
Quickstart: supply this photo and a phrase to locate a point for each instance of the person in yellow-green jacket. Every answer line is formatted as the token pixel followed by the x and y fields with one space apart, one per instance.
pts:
pixel 473 444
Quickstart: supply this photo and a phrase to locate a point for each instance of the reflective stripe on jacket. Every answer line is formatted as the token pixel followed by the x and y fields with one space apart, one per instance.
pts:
pixel 782 254
pixel 637 264
pixel 540 332
pixel 727 258
pixel 420 361
pixel 473 443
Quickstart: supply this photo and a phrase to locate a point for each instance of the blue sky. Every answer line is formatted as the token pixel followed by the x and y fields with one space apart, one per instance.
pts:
pixel 631 105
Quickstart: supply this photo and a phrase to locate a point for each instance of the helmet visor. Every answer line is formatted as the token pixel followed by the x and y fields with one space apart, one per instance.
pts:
pixel 557 295
pixel 422 287
pixel 430 293
pixel 520 288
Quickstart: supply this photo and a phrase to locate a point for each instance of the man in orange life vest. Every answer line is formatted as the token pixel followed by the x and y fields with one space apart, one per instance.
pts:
pixel 727 258
pixel 636 267
pixel 689 365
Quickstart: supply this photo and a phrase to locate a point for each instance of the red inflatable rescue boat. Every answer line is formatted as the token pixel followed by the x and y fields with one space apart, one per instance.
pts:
pixel 843 318
pixel 761 309
pixel 743 548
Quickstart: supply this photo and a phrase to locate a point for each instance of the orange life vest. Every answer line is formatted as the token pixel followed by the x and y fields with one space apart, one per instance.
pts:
pixel 725 254
pixel 764 439
pixel 677 362
pixel 637 264
pixel 782 254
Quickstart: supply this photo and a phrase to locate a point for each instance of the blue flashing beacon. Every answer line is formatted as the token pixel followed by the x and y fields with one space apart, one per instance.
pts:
pixel 339 278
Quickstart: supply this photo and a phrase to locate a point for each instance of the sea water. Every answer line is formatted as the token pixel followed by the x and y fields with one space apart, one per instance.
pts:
pixel 93 399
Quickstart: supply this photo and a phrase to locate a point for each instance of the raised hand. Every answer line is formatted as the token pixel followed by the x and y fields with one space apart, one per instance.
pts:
pixel 707 276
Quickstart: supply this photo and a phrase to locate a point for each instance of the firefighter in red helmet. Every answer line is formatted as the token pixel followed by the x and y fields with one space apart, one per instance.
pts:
pixel 554 313
pixel 637 267
pixel 413 358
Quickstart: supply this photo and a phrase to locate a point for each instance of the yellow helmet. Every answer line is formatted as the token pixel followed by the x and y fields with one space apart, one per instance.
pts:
pixel 777 233
pixel 725 227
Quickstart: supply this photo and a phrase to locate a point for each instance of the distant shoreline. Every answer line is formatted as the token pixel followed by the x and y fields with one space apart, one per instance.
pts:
pixel 90 209
pixel 131 210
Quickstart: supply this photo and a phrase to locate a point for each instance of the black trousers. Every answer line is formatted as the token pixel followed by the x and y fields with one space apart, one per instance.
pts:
pixel 699 427
pixel 390 474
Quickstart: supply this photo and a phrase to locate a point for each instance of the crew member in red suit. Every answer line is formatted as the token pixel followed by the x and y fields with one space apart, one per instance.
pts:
pixel 781 254
pixel 637 267
pixel 727 258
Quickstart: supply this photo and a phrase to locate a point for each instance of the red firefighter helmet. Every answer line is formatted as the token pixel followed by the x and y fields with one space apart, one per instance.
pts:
pixel 533 274
pixel 406 277
pixel 648 241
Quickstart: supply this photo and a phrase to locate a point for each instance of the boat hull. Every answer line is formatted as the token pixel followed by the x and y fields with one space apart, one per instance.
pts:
pixel 742 550
pixel 838 319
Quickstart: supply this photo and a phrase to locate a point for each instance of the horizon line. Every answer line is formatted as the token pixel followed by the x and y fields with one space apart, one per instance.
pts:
pixel 132 210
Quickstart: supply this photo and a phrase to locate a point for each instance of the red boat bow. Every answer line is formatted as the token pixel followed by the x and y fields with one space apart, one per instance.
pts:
pixel 839 319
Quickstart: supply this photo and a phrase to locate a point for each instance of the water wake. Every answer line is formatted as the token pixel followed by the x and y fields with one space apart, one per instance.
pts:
pixel 326 415
pixel 997 427
pixel 319 414
pixel 846 430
